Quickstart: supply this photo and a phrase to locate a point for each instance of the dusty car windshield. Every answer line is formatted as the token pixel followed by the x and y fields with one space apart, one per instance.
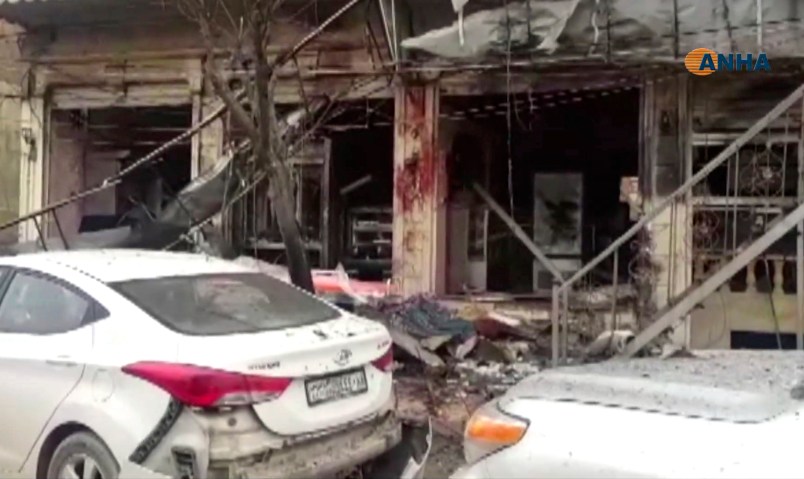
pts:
pixel 225 303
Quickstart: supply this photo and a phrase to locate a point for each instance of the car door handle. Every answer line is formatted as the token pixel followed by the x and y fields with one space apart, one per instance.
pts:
pixel 63 361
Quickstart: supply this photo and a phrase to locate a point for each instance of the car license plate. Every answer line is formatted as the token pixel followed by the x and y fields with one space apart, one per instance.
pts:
pixel 337 386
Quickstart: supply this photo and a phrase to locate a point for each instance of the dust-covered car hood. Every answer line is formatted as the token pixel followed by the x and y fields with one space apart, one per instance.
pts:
pixel 735 386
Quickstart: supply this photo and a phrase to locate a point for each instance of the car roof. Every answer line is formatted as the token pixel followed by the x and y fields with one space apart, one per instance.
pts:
pixel 111 265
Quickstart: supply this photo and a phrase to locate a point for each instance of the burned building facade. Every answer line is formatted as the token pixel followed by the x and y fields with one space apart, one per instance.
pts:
pixel 549 153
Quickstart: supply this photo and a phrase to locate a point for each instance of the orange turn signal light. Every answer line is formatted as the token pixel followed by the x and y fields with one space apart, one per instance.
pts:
pixel 494 430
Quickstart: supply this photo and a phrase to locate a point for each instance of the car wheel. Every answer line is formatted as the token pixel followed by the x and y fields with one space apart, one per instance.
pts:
pixel 82 456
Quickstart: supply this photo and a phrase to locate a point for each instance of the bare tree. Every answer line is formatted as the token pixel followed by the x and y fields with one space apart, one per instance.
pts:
pixel 245 82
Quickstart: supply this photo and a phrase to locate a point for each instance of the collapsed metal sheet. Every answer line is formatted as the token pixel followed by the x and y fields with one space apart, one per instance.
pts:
pixel 200 200
pixel 648 28
pixel 534 25
pixel 204 196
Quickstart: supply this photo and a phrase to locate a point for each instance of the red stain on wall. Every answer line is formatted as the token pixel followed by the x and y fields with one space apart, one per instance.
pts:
pixel 414 181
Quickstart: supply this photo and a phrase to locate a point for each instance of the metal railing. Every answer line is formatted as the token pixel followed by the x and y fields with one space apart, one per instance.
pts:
pixel 561 290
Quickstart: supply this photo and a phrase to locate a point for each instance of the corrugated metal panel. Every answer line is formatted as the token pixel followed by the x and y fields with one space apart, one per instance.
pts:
pixel 2 2
pixel 33 13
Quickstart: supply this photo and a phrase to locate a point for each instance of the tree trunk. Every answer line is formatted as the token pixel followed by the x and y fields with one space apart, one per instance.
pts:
pixel 282 202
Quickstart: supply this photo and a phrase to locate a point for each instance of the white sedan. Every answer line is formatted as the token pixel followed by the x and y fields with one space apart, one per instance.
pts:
pixel 132 364
pixel 728 414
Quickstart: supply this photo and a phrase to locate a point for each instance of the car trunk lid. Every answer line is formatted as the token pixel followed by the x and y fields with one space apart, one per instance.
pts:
pixel 329 364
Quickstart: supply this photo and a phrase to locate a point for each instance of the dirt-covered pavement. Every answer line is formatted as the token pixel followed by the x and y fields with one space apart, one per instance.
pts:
pixel 445 457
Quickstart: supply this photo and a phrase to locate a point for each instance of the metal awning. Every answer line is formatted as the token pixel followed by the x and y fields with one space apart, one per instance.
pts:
pixel 3 2
pixel 74 13
pixel 87 13
pixel 637 29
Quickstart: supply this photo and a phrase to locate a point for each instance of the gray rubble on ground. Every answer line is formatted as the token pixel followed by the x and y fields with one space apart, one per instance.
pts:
pixel 449 361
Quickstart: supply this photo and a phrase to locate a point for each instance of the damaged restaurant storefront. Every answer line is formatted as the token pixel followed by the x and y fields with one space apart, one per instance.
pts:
pixel 547 162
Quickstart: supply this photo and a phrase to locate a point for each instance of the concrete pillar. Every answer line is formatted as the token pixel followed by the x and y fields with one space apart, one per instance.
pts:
pixel 9 159
pixel 33 148
pixel 65 170
pixel 667 158
pixel 420 187
pixel 207 145
pixel 209 142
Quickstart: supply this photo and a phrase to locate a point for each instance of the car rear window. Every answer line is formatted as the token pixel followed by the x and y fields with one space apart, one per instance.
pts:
pixel 225 303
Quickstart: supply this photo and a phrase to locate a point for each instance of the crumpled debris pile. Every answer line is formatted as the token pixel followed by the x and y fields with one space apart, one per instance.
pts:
pixel 431 324
pixel 442 338
pixel 424 318
pixel 448 361
pixel 455 360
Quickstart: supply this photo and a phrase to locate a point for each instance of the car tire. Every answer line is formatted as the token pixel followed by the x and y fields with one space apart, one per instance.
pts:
pixel 78 451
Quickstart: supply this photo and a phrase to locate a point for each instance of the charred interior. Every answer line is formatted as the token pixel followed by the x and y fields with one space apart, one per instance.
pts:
pixel 362 190
pixel 560 169
pixel 88 146
pixel 343 180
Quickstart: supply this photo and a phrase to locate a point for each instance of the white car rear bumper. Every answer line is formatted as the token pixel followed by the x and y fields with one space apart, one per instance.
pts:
pixel 322 457
pixel 388 448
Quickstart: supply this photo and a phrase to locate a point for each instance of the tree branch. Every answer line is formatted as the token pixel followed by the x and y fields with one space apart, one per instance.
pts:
pixel 278 144
pixel 264 74
pixel 219 83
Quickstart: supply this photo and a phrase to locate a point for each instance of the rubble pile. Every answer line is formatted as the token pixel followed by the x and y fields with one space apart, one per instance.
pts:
pixel 447 361
pixel 450 362
pixel 442 338
pixel 431 324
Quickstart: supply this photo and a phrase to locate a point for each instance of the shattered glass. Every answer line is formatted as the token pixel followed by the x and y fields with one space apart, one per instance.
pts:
pixel 225 303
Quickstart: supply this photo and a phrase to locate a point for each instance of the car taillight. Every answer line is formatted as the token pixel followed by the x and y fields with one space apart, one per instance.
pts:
pixel 203 387
pixel 385 362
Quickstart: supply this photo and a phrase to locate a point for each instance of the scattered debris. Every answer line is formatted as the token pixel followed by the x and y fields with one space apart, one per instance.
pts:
pixel 603 296
pixel 414 348
pixel 493 328
pixel 463 349
pixel 488 351
pixel 448 362
pixel 422 317
pixel 400 338
pixel 331 283
pixel 609 343
pixel 670 351
pixel 430 323
pixel 454 361
pixel 494 378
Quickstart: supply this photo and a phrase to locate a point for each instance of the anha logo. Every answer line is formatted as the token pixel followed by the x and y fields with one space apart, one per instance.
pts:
pixel 343 357
pixel 704 62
